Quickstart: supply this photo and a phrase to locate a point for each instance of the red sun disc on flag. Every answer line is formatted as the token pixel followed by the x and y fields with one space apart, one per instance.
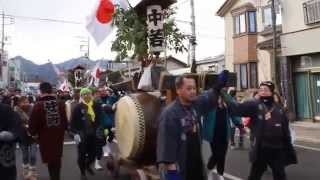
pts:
pixel 105 11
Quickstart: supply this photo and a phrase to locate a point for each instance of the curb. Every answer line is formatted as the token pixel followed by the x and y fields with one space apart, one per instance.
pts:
pixel 307 140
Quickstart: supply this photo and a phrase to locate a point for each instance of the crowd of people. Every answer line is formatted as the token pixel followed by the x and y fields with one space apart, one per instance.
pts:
pixel 209 116
pixel 40 122
pixel 87 115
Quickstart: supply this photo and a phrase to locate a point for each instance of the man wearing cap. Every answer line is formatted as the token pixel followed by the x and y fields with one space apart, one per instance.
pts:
pixel 48 122
pixel 85 123
pixel 271 144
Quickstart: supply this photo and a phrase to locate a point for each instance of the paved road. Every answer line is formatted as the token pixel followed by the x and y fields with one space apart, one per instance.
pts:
pixel 237 166
pixel 70 170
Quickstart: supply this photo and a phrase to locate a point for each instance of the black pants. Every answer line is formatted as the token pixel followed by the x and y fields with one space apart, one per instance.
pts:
pixel 8 173
pixel 54 169
pixel 86 153
pixel 274 158
pixel 218 157
pixel 100 142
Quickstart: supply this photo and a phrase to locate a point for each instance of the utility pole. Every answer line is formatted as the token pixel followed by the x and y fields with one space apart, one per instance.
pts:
pixel 193 38
pixel 2 45
pixel 88 53
pixel 274 42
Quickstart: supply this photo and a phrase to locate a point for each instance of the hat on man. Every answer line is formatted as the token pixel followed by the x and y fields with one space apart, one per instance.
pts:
pixel 85 91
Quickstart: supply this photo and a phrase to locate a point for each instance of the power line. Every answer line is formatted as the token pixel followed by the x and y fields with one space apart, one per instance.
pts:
pixel 47 19
pixel 182 3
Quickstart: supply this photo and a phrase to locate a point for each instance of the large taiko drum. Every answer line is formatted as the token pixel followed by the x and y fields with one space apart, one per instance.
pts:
pixel 136 121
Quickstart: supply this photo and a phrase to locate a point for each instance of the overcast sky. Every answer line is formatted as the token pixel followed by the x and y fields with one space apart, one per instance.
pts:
pixel 42 40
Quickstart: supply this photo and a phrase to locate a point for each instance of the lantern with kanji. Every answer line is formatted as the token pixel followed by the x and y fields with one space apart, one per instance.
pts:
pixel 153 10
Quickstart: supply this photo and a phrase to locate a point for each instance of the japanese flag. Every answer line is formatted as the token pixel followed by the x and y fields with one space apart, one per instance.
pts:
pixel 96 74
pixel 99 23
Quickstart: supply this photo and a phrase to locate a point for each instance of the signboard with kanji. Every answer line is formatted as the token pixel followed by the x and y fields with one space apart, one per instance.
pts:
pixel 155 28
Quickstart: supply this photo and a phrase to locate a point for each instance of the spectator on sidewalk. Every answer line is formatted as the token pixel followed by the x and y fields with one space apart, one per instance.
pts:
pixel 48 122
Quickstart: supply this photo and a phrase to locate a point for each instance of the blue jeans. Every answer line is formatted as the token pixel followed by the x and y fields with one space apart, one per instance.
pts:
pixel 29 153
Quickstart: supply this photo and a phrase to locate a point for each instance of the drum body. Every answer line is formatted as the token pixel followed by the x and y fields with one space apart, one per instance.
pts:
pixel 137 120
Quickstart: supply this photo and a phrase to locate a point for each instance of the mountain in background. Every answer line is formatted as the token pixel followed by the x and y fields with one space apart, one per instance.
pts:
pixel 45 72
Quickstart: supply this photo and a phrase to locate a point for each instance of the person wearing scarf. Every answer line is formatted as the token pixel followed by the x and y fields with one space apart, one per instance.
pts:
pixel 85 125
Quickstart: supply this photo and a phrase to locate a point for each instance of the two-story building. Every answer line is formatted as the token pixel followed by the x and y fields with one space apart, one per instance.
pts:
pixel 301 55
pixel 211 64
pixel 4 69
pixel 248 40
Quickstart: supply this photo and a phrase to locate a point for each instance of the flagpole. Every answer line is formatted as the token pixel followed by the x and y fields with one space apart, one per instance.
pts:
pixel 129 4
pixel 193 38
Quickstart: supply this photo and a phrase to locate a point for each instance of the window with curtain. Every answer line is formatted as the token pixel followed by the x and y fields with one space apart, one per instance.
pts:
pixel 243 76
pixel 240 24
pixel 245 22
pixel 311 11
pixel 252 21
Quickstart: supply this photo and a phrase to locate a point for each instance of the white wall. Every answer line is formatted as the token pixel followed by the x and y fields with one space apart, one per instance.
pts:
pixel 298 38
pixel 228 20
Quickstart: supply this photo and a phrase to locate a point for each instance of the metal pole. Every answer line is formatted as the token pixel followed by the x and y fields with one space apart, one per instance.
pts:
pixel 2 46
pixel 88 48
pixel 274 41
pixel 193 38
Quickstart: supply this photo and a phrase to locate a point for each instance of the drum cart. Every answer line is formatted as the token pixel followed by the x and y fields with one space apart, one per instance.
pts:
pixel 143 145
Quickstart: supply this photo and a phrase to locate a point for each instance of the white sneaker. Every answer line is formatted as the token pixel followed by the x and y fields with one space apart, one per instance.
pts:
pixel 97 166
pixel 106 150
pixel 210 175
pixel 220 177
pixel 25 170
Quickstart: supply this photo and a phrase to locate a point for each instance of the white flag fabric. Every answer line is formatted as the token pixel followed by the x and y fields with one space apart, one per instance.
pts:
pixel 145 82
pixel 99 23
pixel 121 3
pixel 96 73
pixel 65 86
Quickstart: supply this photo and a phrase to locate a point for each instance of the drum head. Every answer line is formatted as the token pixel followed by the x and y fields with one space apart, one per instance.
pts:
pixel 130 128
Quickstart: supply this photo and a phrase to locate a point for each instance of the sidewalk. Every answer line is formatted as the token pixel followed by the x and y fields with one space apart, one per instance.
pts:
pixel 307 131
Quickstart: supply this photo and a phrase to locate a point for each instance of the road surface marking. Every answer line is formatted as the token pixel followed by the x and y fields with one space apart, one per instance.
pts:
pixel 307 147
pixel 69 142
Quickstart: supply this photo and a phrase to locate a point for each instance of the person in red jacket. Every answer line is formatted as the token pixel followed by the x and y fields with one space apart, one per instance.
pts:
pixel 48 122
